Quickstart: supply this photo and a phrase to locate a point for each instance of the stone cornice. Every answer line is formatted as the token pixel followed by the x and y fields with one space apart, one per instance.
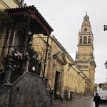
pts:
pixel 60 58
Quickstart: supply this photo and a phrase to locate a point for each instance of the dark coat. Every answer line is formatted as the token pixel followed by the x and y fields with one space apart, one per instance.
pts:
pixel 97 99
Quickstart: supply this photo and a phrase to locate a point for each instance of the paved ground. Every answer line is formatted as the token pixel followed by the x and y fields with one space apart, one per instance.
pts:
pixel 103 105
pixel 78 102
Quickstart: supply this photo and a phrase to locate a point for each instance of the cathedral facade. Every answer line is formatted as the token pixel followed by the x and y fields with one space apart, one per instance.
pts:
pixel 85 56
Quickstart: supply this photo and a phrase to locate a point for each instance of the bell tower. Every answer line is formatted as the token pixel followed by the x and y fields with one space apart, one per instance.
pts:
pixel 84 56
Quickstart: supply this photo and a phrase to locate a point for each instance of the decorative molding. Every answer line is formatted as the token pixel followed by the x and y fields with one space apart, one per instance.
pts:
pixel 60 57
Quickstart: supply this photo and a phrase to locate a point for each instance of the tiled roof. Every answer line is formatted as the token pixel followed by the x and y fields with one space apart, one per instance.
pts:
pixel 34 11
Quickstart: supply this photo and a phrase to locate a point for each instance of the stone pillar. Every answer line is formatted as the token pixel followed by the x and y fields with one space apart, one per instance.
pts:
pixel 27 62
pixel 68 95
pixel 27 66
pixel 8 70
pixel 62 93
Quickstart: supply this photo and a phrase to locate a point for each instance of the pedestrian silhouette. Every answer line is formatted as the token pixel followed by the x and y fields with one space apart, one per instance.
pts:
pixel 97 100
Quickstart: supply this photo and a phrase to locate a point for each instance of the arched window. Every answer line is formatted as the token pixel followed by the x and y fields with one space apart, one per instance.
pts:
pixel 85 39
pixel 86 19
pixel 85 29
pixel 89 39
pixel 80 40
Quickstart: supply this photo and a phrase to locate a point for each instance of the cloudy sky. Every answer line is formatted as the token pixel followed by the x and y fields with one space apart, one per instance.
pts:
pixel 66 17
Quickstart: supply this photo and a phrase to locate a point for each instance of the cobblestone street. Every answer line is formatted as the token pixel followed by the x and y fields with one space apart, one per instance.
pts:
pixel 78 102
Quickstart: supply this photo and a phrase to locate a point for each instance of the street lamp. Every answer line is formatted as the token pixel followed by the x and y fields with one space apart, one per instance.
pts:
pixel 106 68
pixel 105 27
pixel 106 64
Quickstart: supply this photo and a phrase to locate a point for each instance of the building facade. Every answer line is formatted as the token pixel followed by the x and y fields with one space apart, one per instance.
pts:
pixel 85 56
pixel 41 55
pixel 101 89
pixel 17 81
pixel 64 77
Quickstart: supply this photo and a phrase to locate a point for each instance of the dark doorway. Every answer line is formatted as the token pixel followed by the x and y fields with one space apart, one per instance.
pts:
pixel 56 84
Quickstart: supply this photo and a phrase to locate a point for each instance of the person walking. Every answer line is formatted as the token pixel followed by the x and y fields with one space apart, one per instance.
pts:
pixel 97 100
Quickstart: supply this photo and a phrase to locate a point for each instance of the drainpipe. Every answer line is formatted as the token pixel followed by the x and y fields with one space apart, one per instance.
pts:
pixel 47 45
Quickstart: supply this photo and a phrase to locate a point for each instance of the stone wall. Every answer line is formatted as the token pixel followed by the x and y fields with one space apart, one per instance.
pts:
pixel 28 91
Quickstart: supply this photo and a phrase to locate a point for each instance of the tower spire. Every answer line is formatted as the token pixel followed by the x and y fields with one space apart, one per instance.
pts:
pixel 84 56
pixel 86 13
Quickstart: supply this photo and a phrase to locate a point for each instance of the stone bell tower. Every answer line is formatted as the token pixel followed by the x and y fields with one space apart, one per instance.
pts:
pixel 84 56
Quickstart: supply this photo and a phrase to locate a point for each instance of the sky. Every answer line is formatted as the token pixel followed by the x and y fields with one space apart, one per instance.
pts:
pixel 66 17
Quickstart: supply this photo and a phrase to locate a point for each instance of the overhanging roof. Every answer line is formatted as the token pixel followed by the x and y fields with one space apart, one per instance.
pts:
pixel 34 14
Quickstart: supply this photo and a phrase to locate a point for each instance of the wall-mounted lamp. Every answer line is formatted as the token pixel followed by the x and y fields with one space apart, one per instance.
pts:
pixel 106 68
pixel 105 64
pixel 105 27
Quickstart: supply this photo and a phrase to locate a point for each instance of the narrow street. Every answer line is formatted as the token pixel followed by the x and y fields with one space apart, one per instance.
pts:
pixel 103 105
pixel 78 102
